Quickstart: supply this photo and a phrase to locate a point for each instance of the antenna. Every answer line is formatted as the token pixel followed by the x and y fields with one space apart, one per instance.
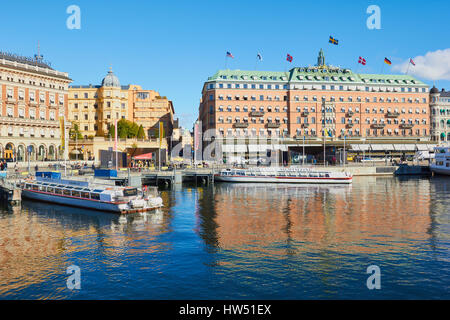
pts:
pixel 38 56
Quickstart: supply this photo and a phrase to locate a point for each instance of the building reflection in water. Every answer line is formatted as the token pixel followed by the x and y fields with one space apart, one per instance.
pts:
pixel 375 214
pixel 39 241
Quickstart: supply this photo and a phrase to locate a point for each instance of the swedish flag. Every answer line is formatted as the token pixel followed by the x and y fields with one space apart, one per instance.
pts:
pixel 333 41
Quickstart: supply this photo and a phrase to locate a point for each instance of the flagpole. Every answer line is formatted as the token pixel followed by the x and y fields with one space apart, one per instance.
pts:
pixel 407 70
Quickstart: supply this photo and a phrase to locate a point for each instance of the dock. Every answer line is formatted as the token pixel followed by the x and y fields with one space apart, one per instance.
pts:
pixel 10 193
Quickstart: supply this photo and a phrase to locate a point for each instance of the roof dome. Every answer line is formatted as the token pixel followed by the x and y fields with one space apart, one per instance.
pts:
pixel 110 80
pixel 434 90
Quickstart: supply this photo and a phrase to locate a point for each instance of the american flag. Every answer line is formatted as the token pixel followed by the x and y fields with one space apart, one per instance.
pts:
pixel 289 58
pixel 362 61
pixel 412 62
pixel 229 54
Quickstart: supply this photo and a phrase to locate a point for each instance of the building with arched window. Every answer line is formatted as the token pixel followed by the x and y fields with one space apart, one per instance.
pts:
pixel 33 96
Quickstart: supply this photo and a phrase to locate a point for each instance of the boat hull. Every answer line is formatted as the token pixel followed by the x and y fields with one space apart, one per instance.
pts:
pixel 82 203
pixel 266 179
pixel 440 170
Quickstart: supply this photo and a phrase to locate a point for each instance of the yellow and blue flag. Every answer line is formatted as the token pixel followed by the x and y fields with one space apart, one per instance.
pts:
pixel 333 41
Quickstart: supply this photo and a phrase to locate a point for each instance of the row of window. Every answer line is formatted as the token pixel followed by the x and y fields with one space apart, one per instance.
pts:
pixel 31 132
pixel 313 109
pixel 260 86
pixel 31 113
pixel 324 99
pixel 313 132
pixel 32 82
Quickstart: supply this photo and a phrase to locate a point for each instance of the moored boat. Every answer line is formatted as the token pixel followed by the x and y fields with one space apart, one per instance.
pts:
pixel 283 175
pixel 441 162
pixel 122 200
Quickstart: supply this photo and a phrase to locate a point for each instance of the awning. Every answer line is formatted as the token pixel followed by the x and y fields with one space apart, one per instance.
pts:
pixel 431 147
pixel 145 156
pixel 240 148
pixel 422 147
pixel 75 151
pixel 228 148
pixel 252 148
pixel 381 147
pixel 405 147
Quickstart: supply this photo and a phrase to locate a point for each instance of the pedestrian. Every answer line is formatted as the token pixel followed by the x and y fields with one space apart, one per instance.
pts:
pixel 36 168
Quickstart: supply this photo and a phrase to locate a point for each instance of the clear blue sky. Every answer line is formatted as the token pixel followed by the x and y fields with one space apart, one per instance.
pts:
pixel 173 46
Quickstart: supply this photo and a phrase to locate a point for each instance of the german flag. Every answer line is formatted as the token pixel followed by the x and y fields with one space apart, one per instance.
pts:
pixel 387 61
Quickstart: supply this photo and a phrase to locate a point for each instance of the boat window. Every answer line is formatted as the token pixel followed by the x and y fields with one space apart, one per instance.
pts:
pixel 50 189
pixel 95 196
pixel 447 164
pixel 28 186
pixel 34 187
pixel 85 194
pixel 66 192
pixel 76 194
pixel 129 192
pixel 98 191
pixel 58 191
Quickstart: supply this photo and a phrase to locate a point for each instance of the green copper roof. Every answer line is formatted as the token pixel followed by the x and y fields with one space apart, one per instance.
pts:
pixel 312 74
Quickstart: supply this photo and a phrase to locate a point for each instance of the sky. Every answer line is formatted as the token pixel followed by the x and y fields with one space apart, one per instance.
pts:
pixel 174 46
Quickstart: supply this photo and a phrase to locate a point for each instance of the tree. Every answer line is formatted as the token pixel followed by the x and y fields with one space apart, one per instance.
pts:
pixel 141 132
pixel 74 132
pixel 126 129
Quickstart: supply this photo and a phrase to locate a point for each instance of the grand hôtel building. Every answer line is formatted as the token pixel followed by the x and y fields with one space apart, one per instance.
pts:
pixel 32 98
pixel 370 112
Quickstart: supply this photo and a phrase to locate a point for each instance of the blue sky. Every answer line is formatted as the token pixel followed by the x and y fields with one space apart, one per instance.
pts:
pixel 172 47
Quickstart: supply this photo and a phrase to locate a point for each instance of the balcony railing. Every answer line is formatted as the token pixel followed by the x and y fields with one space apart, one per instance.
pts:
pixel 256 114
pixel 305 125
pixel 350 113
pixel 305 113
pixel 241 125
pixel 273 125
pixel 406 125
pixel 392 114
pixel 378 125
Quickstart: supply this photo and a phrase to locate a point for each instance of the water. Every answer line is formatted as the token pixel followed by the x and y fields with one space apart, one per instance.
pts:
pixel 236 241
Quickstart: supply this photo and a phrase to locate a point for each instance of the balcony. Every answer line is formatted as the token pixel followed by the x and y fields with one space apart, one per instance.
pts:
pixel 305 125
pixel 378 125
pixel 406 125
pixel 273 125
pixel 350 125
pixel 256 114
pixel 241 125
pixel 392 114
pixel 10 100
pixel 350 114
pixel 305 113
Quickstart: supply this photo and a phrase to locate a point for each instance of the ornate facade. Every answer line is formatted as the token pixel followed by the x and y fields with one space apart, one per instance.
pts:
pixel 440 115
pixel 32 98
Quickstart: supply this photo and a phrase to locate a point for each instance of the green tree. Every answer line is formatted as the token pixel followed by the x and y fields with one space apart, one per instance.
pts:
pixel 141 132
pixel 74 132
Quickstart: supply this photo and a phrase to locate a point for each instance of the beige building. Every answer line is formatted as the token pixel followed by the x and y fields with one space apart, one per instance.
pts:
pixel 96 108
pixel 32 98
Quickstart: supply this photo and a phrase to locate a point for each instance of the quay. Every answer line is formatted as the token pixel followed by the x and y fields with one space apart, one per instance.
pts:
pixel 10 193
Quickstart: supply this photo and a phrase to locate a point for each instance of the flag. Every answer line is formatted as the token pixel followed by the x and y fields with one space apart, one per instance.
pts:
pixel 289 58
pixel 411 61
pixel 362 61
pixel 333 41
pixel 229 54
pixel 259 56
pixel 161 132
pixel 387 61
pixel 62 130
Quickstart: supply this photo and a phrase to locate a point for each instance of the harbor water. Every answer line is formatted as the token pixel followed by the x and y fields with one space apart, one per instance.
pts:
pixel 238 241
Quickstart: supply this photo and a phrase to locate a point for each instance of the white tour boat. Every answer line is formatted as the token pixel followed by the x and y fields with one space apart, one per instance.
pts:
pixel 283 175
pixel 441 162
pixel 94 195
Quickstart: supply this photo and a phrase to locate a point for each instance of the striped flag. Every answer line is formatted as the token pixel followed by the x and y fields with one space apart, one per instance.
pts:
pixel 229 55
pixel 387 61
pixel 289 58
pixel 411 61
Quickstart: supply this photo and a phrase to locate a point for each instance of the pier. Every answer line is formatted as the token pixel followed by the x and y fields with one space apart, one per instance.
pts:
pixel 10 193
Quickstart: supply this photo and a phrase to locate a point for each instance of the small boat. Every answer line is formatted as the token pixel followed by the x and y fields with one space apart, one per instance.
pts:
pixel 283 175
pixel 441 162
pixel 84 194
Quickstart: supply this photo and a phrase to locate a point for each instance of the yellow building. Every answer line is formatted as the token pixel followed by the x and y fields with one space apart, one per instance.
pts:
pixel 95 108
